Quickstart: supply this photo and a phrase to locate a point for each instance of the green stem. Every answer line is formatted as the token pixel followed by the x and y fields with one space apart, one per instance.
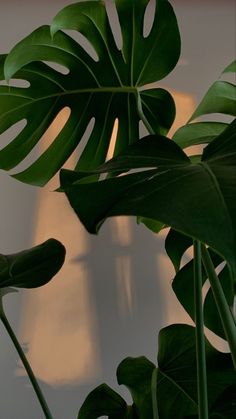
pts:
pixel 200 338
pixel 26 364
pixel 225 313
pixel 154 394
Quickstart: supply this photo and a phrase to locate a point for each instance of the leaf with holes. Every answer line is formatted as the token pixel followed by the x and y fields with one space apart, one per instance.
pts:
pixel 107 88
pixel 183 287
pixel 198 200
pixel 220 97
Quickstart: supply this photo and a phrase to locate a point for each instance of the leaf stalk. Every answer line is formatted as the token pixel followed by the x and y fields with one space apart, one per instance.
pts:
pixel 25 362
pixel 199 334
pixel 225 313
pixel 154 394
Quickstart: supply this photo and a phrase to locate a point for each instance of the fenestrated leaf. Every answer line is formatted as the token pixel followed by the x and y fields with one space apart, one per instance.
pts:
pixel 105 89
pixel 198 133
pixel 198 199
pixel 183 287
pixel 177 372
pixel 220 98
pixel 136 375
pixel 183 284
pixel 33 267
pixel 103 401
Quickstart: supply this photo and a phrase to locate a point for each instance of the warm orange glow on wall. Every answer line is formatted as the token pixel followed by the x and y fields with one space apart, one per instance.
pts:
pixel 59 321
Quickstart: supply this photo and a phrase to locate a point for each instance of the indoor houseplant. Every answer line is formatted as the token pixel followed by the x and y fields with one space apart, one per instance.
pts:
pixel 200 189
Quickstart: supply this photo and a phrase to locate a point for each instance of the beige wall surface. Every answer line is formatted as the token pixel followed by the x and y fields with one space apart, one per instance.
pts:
pixel 113 295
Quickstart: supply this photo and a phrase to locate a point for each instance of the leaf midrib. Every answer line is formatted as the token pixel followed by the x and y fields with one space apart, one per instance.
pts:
pixel 32 101
pixel 168 378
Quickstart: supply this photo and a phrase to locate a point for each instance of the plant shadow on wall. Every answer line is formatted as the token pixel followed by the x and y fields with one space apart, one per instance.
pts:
pixel 151 178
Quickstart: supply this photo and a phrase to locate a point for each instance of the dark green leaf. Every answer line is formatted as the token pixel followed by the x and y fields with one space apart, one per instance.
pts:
pixel 33 267
pixel 211 316
pixel 103 401
pixel 198 200
pixel 159 109
pixel 177 382
pixel 106 88
pixel 136 374
pixel 153 225
pixel 225 405
pixel 176 244
pixel 198 133
pixel 183 287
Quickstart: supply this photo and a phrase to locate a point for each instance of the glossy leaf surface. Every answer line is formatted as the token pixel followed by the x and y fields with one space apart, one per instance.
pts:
pixel 102 89
pixel 33 267
pixel 198 200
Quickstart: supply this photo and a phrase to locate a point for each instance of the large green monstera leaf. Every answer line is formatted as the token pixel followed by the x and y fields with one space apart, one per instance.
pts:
pixel 197 199
pixel 102 88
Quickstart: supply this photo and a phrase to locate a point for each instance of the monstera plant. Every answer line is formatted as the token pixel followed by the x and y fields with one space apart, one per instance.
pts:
pixel 152 178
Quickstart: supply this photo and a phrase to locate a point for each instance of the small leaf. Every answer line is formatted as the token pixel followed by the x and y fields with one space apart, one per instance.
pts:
pixel 136 375
pixel 103 401
pixel 33 267
pixel 220 98
pixel 198 133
